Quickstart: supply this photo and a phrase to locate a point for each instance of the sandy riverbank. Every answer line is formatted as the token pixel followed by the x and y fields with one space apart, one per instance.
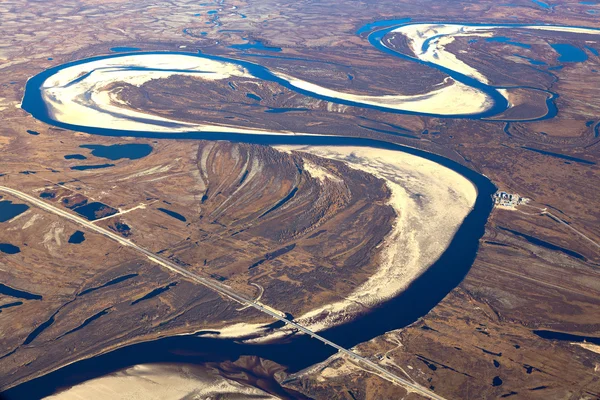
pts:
pixel 430 202
pixel 162 382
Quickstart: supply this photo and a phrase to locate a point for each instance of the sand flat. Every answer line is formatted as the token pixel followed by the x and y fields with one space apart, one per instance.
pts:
pixel 428 41
pixel 161 382
pixel 430 202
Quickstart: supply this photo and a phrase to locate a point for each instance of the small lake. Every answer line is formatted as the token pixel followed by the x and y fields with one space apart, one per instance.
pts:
pixel 8 248
pixel 285 110
pixel 553 335
pixel 543 243
pixel 9 210
pixel 19 294
pixel 124 49
pixel 132 151
pixel 506 40
pixel 254 45
pixel 109 283
pixel 88 167
pixel 172 214
pixel 569 53
pixel 75 157
pixel 532 61
pixel 77 237
pixel 253 96
pixel 95 210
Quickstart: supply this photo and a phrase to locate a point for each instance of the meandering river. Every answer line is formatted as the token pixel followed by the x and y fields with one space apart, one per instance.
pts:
pixel 55 97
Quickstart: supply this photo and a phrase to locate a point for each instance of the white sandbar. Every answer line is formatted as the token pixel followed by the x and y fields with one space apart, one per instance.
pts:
pixel 438 36
pixel 430 202
pixel 161 382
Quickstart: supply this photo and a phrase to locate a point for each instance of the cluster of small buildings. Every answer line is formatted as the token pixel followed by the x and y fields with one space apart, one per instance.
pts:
pixel 510 200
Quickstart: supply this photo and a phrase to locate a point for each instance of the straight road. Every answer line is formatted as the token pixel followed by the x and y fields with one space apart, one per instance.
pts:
pixel 220 288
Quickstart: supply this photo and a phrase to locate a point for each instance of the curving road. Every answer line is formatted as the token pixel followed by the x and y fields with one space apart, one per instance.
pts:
pixel 221 289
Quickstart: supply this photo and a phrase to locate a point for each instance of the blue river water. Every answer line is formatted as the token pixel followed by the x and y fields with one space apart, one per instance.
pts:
pixel 298 351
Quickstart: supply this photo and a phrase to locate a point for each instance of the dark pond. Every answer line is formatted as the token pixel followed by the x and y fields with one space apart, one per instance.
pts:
pixel 34 133
pixel 109 283
pixel 173 214
pixel 95 210
pixel 47 195
pixel 285 110
pixel 86 322
pixel 87 167
pixel 9 305
pixel 8 210
pixel 77 237
pixel 75 157
pixel 543 243
pixel 132 151
pixel 122 228
pixel 8 248
pixel 154 293
pixel 253 96
pixel 552 335
pixel 37 331
pixel 20 294
pixel 254 45
pixel 281 202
